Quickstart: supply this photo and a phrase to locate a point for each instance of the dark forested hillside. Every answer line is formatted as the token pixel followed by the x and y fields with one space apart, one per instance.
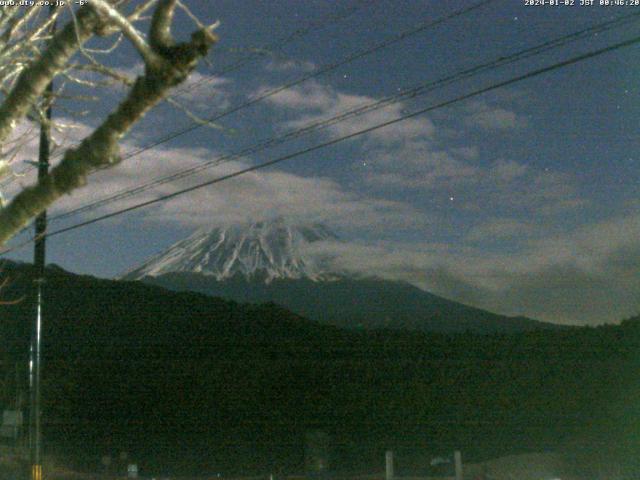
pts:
pixel 188 383
pixel 363 303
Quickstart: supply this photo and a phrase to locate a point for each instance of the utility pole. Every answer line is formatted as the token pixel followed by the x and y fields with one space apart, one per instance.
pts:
pixel 36 346
pixel 35 361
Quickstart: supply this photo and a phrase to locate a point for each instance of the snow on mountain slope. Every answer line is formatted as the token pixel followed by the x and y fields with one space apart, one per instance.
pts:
pixel 264 250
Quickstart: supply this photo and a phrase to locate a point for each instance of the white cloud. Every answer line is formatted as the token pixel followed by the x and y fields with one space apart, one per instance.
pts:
pixel 467 153
pixel 255 195
pixel 493 118
pixel 502 228
pixel 416 165
pixel 317 102
pixel 261 194
pixel 512 187
pixel 410 155
pixel 587 276
pixel 280 65
pixel 204 91
pixel 268 193
pixel 507 171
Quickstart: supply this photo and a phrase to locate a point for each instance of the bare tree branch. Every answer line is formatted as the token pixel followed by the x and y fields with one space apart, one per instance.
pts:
pixel 3 284
pixel 197 119
pixel 160 35
pixel 150 57
pixel 33 80
pixel 140 10
pixel 170 64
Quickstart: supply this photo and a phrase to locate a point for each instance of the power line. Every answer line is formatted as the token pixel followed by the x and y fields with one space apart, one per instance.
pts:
pixel 422 111
pixel 324 69
pixel 276 45
pixel 320 71
pixel 404 93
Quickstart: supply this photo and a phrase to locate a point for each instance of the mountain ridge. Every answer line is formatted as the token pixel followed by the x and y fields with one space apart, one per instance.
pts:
pixel 266 261
pixel 361 303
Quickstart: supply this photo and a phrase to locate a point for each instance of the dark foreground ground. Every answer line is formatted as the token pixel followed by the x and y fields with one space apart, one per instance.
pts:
pixel 532 466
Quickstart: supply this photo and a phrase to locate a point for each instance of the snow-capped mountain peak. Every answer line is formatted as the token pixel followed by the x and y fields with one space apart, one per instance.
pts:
pixel 266 250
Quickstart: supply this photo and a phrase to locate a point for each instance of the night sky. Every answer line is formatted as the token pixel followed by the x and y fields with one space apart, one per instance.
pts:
pixel 523 200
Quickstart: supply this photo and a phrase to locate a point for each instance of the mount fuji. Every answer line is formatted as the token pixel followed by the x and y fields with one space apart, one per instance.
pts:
pixel 257 251
pixel 266 261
